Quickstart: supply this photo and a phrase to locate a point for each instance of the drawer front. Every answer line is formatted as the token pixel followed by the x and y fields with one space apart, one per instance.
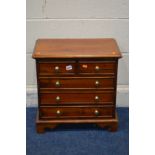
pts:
pixel 76 112
pixel 97 67
pixel 56 68
pixel 77 83
pixel 77 98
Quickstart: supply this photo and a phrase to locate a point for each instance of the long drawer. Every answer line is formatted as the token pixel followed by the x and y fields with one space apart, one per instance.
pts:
pixel 76 82
pixel 76 112
pixel 79 97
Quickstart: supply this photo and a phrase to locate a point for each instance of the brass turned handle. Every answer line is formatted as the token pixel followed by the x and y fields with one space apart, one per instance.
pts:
pixel 96 112
pixel 58 112
pixel 57 83
pixel 58 98
pixel 97 68
pixel 97 83
pixel 96 98
pixel 56 68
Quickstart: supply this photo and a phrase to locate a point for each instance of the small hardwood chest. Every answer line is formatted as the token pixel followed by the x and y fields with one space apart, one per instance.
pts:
pixel 77 82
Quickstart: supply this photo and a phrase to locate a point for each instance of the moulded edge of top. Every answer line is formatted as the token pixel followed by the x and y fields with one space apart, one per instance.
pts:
pixel 117 53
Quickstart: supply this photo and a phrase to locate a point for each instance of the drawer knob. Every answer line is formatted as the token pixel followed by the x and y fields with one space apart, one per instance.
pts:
pixel 96 98
pixel 56 68
pixel 58 112
pixel 57 83
pixel 96 112
pixel 58 98
pixel 97 83
pixel 97 68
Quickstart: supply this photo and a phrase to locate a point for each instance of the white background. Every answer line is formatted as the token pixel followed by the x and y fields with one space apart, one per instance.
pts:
pixel 13 77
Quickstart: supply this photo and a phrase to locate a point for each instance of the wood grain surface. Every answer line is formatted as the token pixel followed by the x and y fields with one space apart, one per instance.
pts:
pixel 76 48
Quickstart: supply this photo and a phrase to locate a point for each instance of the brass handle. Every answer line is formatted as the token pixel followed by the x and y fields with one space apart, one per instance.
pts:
pixel 58 98
pixel 97 68
pixel 97 83
pixel 56 68
pixel 96 98
pixel 58 112
pixel 57 83
pixel 96 112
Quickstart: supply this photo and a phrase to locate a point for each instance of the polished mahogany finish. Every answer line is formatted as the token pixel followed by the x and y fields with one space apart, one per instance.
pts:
pixel 73 112
pixel 77 82
pixel 55 68
pixel 97 67
pixel 76 48
pixel 78 97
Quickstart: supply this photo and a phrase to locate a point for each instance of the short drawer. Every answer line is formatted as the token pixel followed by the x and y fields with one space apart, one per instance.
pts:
pixel 76 112
pixel 56 68
pixel 97 67
pixel 59 83
pixel 59 98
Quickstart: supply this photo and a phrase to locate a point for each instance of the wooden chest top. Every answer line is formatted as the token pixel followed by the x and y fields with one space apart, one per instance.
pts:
pixel 76 48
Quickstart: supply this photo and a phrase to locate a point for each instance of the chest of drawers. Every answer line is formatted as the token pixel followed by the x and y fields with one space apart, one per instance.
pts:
pixel 77 82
